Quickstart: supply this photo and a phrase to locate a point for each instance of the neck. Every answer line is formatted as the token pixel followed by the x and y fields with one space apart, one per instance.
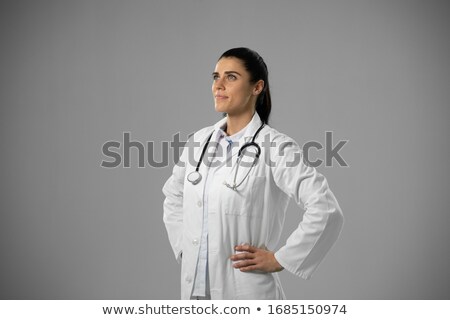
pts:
pixel 236 123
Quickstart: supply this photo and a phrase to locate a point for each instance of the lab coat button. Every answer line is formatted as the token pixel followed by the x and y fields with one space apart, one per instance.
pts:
pixel 188 279
pixel 199 203
pixel 195 242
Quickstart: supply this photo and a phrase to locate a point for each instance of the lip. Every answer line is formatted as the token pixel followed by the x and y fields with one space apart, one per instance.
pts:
pixel 220 97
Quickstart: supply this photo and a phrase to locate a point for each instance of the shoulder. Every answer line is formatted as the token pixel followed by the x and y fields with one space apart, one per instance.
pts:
pixel 276 137
pixel 280 148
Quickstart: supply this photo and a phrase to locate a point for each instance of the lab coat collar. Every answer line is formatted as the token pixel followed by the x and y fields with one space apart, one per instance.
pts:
pixel 252 126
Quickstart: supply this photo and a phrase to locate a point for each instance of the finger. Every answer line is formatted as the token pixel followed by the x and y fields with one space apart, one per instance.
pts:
pixel 246 247
pixel 242 256
pixel 243 263
pixel 250 268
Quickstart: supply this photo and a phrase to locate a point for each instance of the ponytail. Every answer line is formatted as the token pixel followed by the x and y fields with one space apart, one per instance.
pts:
pixel 264 104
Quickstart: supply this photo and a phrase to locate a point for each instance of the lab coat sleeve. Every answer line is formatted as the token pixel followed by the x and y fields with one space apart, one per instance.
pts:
pixel 173 205
pixel 322 221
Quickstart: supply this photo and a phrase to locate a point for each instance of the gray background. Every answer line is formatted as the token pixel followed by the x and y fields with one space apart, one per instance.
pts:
pixel 75 74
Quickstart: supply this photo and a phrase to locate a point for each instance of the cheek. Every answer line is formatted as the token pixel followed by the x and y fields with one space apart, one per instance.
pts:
pixel 244 94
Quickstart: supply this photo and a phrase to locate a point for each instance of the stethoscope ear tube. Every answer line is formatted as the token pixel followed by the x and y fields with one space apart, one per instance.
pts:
pixel 250 144
pixel 253 143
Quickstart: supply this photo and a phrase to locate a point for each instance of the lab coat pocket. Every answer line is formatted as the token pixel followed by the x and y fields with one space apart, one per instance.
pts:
pixel 248 199
pixel 255 286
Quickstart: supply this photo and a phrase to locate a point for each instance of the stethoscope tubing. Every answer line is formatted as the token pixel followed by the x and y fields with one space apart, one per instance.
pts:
pixel 195 176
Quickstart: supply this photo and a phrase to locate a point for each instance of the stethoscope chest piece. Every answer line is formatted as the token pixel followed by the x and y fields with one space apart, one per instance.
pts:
pixel 194 177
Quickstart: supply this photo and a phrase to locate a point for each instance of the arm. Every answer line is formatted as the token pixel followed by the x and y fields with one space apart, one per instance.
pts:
pixel 173 205
pixel 322 221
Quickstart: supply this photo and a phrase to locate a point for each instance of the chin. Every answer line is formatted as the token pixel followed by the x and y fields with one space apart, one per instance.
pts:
pixel 220 109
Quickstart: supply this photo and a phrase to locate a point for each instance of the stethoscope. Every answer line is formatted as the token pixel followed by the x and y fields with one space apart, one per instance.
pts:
pixel 195 177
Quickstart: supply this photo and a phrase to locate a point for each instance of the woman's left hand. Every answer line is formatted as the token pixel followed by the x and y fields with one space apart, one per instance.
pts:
pixel 255 259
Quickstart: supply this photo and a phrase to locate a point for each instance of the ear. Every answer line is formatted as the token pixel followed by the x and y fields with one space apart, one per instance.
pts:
pixel 258 88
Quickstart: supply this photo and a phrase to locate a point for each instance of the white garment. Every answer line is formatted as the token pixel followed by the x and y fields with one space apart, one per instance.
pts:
pixel 221 155
pixel 253 214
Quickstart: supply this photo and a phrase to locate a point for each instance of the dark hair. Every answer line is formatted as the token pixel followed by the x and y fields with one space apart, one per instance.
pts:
pixel 257 68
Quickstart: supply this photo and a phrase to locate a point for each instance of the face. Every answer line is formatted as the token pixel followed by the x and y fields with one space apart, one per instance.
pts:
pixel 233 93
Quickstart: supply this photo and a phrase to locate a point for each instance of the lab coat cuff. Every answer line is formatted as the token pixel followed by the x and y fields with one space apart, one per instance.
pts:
pixel 300 273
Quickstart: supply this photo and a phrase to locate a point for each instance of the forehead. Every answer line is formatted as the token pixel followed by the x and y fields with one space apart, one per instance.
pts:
pixel 230 64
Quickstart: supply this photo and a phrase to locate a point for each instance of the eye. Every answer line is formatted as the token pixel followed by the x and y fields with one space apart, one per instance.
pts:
pixel 215 76
pixel 231 77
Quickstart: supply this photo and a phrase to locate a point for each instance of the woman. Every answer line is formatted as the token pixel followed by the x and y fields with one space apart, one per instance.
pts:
pixel 225 208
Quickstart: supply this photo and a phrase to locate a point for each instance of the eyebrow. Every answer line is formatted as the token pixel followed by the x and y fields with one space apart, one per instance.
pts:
pixel 226 72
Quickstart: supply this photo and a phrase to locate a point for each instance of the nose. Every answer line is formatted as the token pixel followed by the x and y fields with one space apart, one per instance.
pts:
pixel 218 84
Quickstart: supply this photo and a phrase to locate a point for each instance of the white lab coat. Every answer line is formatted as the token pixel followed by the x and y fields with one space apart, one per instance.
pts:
pixel 254 214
